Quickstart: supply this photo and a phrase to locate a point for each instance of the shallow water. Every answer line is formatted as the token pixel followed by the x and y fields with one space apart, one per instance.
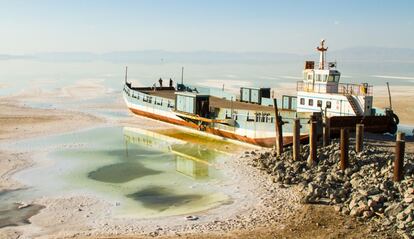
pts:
pixel 15 214
pixel 142 173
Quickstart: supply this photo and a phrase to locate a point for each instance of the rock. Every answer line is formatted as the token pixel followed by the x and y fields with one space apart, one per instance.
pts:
pixel 372 203
pixel 23 205
pixel 401 225
pixel 400 216
pixel 363 192
pixel 193 218
pixel 393 210
pixel 373 191
pixel 378 198
pixel 367 214
pixel 409 219
pixel 408 199
pixel 408 211
pixel 337 208
pixel 353 203
pixel 354 182
pixel 355 212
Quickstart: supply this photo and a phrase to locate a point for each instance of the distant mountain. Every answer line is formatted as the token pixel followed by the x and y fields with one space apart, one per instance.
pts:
pixel 372 54
pixel 160 56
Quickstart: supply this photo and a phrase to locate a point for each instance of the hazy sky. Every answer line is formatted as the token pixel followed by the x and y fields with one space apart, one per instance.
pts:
pixel 188 25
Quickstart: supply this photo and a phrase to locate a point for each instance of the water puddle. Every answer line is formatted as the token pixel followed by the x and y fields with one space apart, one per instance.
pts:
pixel 15 214
pixel 121 172
pixel 142 173
pixel 160 199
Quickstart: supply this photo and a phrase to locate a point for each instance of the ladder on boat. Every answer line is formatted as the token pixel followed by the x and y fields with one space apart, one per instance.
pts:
pixel 353 104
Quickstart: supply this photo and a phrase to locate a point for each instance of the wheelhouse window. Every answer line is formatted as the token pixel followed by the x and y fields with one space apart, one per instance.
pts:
pixel 302 101
pixel 328 104
pixel 319 103
pixel 310 102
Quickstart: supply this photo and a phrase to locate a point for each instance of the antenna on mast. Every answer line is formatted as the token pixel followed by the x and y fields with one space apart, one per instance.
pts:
pixel 182 75
pixel 126 74
pixel 322 49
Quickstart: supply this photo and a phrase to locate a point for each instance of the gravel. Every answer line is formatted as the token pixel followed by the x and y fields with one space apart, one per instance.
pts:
pixel 365 190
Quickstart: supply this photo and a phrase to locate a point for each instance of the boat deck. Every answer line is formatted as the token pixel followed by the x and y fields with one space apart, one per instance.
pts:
pixel 169 94
pixel 215 102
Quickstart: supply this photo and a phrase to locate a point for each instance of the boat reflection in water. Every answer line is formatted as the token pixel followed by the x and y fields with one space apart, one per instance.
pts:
pixel 192 160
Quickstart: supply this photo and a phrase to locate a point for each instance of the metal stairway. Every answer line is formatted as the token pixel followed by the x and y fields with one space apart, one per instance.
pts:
pixel 353 105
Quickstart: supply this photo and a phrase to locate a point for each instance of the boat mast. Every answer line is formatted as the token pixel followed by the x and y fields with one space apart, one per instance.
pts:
pixel 182 75
pixel 126 74
pixel 322 57
pixel 389 95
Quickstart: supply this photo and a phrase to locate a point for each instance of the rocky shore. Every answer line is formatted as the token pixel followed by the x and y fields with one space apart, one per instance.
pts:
pixel 365 190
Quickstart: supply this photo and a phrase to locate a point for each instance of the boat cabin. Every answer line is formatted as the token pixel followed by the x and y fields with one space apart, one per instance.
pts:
pixel 192 103
pixel 320 91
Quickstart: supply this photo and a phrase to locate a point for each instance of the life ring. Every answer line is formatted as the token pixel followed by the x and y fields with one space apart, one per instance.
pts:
pixel 394 124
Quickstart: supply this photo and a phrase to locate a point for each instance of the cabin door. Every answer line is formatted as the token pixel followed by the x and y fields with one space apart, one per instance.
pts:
pixel 203 107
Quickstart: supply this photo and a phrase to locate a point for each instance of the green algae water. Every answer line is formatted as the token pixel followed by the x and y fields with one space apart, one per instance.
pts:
pixel 142 173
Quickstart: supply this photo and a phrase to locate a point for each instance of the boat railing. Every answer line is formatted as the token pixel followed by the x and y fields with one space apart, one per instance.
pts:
pixel 339 88
pixel 147 98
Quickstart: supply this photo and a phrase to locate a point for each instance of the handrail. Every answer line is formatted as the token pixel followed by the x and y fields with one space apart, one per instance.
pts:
pixel 339 88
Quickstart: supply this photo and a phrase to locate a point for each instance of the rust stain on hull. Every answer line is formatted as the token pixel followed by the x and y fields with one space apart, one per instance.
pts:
pixel 264 142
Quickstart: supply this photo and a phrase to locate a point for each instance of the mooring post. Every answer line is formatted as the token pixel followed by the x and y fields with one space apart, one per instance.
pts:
pixel 400 136
pixel 344 145
pixel 296 139
pixel 312 141
pixel 359 138
pixel 399 160
pixel 278 127
pixel 327 132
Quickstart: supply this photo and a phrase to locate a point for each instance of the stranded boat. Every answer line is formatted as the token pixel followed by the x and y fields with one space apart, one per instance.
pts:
pixel 250 116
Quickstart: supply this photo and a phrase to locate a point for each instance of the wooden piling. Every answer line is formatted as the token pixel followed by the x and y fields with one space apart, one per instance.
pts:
pixel 400 136
pixel 399 160
pixel 278 127
pixel 359 138
pixel 312 142
pixel 327 132
pixel 344 145
pixel 296 139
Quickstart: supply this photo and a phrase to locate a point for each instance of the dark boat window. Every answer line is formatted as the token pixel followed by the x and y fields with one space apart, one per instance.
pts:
pixel 328 104
pixel 310 102
pixel 302 101
pixel 235 116
pixel 248 117
pixel 319 103
pixel 227 115
pixel 258 115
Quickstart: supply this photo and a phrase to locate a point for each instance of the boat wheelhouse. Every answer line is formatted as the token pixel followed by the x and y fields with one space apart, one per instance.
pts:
pixel 320 91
